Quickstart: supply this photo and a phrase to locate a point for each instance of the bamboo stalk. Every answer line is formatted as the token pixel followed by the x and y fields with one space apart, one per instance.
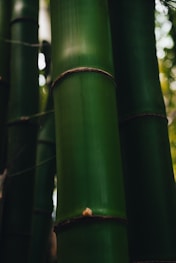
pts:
pixel 91 217
pixel 44 185
pixel 4 89
pixel 144 134
pixel 4 76
pixel 22 131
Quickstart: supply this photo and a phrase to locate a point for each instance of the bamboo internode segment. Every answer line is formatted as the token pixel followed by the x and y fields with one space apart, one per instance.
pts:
pixel 79 70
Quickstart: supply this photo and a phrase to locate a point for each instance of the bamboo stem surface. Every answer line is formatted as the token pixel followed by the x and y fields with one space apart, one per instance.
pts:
pixel 146 154
pixel 22 132
pixel 91 216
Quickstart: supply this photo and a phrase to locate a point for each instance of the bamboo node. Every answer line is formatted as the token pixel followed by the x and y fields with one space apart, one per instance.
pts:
pixel 79 70
pixel 87 212
pixel 24 19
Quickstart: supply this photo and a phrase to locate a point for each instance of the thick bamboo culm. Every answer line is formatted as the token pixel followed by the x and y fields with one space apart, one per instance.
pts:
pixel 150 190
pixel 22 132
pixel 91 216
pixel 44 185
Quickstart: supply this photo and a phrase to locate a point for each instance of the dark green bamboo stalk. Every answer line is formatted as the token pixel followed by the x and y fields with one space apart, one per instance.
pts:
pixel 44 185
pixel 22 131
pixel 4 88
pixel 4 75
pixel 144 134
pixel 87 143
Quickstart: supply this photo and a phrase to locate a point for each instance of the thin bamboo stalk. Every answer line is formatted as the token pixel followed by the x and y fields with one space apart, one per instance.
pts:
pixel 4 89
pixel 87 143
pixel 4 76
pixel 144 134
pixel 44 185
pixel 22 131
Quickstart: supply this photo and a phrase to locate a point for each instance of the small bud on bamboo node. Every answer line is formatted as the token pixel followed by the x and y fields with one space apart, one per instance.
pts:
pixel 87 212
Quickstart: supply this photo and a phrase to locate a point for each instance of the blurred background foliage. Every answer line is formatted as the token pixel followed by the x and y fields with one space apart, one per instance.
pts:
pixel 165 32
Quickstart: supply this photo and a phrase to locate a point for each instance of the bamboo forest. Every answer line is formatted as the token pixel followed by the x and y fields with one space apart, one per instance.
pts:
pixel 87 131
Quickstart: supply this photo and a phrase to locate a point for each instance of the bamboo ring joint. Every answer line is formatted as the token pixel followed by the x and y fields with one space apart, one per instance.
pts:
pixel 24 19
pixel 143 115
pixel 88 218
pixel 79 70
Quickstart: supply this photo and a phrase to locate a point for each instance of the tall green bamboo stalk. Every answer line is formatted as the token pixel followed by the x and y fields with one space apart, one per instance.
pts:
pixel 22 131
pixel 151 206
pixel 4 89
pixel 91 217
pixel 44 185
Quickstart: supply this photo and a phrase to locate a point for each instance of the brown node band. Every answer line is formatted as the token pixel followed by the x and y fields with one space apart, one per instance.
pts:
pixel 30 118
pixel 79 70
pixel 142 115
pixel 20 121
pixel 92 218
pixel 24 19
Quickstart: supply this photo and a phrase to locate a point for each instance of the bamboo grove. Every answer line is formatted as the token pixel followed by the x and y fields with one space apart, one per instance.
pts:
pixel 103 132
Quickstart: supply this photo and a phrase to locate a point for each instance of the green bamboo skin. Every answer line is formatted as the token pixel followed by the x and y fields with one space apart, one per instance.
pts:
pixel 4 89
pixel 87 143
pixel 150 190
pixel 4 77
pixel 89 240
pixel 18 196
pixel 44 185
pixel 22 133
pixel 146 155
